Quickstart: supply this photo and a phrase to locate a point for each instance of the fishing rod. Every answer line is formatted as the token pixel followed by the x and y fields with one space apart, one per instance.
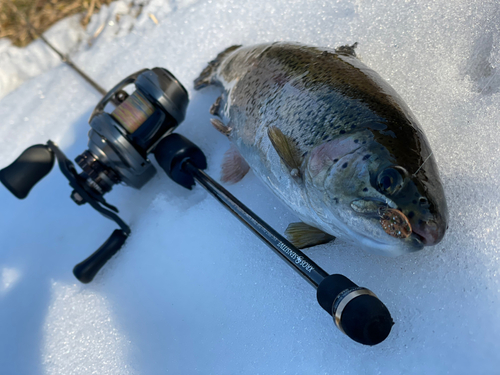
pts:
pixel 118 148
pixel 356 311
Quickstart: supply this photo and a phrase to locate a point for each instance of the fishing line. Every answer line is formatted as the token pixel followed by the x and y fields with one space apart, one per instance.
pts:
pixel 421 165
pixel 64 57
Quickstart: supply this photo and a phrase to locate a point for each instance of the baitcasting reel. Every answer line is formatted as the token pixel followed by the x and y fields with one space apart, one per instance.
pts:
pixel 118 148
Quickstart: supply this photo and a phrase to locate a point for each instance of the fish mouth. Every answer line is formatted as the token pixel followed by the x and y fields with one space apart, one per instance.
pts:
pixel 396 224
pixel 430 232
pixel 401 237
pixel 393 221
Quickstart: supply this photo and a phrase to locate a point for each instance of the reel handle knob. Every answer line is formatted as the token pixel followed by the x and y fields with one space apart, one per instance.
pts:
pixel 356 311
pixel 86 270
pixel 29 168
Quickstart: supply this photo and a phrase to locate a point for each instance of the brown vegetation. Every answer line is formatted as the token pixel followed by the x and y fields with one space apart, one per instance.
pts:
pixel 41 14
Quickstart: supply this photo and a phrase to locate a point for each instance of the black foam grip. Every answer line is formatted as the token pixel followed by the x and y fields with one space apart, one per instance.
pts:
pixel 175 149
pixel 29 168
pixel 86 270
pixel 365 319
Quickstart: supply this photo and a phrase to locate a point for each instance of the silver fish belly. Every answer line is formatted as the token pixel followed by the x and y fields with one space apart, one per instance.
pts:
pixel 333 141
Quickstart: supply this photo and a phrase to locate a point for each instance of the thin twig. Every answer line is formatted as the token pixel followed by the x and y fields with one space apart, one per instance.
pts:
pixel 64 58
pixel 89 12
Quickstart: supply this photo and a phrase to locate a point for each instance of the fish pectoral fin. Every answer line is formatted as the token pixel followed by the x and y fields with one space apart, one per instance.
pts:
pixel 234 167
pixel 302 235
pixel 287 150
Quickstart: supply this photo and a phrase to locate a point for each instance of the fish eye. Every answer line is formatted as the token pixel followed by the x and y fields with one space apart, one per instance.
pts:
pixel 391 180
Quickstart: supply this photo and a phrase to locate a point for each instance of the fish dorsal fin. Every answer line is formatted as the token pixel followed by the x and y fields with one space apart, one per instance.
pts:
pixel 234 167
pixel 347 50
pixel 287 150
pixel 302 235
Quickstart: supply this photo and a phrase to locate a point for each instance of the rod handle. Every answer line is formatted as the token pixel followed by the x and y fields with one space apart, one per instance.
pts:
pixel 172 152
pixel 27 170
pixel 356 311
pixel 86 270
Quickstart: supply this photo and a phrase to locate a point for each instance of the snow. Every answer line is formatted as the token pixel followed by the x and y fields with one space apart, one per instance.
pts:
pixel 20 64
pixel 193 291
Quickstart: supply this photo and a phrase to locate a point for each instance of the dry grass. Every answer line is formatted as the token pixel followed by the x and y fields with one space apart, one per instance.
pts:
pixel 41 14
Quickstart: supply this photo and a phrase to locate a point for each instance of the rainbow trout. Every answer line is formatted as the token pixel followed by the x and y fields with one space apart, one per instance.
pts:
pixel 333 141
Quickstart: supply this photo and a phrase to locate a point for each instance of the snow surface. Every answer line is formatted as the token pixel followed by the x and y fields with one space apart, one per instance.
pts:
pixel 193 291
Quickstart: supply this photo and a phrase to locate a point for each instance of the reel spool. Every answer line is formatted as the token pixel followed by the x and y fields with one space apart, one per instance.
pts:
pixel 118 149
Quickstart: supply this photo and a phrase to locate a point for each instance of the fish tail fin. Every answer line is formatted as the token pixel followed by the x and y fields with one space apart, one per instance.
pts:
pixel 207 74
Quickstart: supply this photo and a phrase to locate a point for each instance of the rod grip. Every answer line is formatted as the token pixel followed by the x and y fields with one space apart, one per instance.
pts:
pixel 86 270
pixel 172 152
pixel 27 170
pixel 356 311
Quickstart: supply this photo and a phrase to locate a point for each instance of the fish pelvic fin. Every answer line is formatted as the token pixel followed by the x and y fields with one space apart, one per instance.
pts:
pixel 234 167
pixel 302 235
pixel 287 151
pixel 207 74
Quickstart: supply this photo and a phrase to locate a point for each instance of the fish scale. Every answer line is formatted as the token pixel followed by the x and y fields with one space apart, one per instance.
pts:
pixel 356 142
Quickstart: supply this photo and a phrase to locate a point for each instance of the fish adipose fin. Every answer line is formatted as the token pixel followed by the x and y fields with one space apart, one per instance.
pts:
pixel 302 235
pixel 347 50
pixel 287 151
pixel 205 77
pixel 234 167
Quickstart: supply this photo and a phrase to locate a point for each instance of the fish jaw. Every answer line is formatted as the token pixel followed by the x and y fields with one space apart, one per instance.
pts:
pixel 361 231
pixel 394 249
pixel 428 212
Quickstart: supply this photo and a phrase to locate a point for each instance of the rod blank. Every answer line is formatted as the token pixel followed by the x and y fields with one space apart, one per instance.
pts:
pixel 293 256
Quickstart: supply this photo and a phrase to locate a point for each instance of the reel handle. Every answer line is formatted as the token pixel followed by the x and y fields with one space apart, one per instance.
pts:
pixel 27 170
pixel 86 270
pixel 356 311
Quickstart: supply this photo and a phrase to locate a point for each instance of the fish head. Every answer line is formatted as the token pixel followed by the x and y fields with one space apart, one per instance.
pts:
pixel 358 192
